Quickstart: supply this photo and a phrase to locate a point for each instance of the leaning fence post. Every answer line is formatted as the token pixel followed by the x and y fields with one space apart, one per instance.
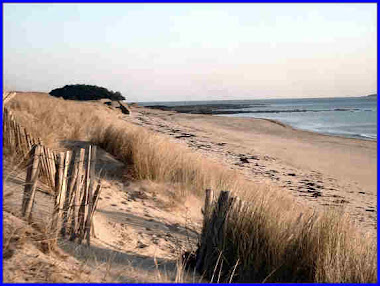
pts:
pixel 31 182
pixel 95 202
pixel 56 221
pixel 213 233
pixel 208 202
pixel 206 219
pixel 82 209
pixel 90 202
pixel 52 167
pixel 63 190
pixel 222 208
pixel 76 196
pixel 71 178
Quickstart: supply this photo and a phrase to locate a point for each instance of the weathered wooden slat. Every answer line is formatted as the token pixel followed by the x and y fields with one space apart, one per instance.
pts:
pixel 18 138
pixel 95 202
pixel 6 128
pixel 90 188
pixel 64 189
pixel 52 167
pixel 15 135
pixel 7 96
pixel 19 142
pixel 96 198
pixel 11 134
pixel 208 203
pixel 31 183
pixel 73 174
pixel 56 220
pixel 93 229
pixel 71 178
pixel 29 170
pixel 28 141
pixel 205 229
pixel 25 146
pixel 49 172
pixel 76 197
pixel 43 170
pixel 213 242
pixel 84 205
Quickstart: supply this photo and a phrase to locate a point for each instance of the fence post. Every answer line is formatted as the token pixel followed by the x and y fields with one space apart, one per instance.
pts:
pixel 208 202
pixel 52 167
pixel 76 196
pixel 95 202
pixel 49 169
pixel 31 182
pixel 206 219
pixel 90 202
pixel 83 208
pixel 71 178
pixel 64 190
pixel 56 221
pixel 214 234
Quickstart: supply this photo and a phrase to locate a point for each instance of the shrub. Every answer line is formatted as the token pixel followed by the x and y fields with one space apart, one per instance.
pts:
pixel 85 92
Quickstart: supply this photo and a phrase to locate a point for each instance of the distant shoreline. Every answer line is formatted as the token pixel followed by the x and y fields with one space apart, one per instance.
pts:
pixel 231 109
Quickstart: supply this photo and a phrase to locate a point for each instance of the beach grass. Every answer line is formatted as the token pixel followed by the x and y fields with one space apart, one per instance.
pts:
pixel 274 239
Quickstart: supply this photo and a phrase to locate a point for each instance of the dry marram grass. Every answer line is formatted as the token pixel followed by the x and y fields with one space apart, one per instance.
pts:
pixel 272 239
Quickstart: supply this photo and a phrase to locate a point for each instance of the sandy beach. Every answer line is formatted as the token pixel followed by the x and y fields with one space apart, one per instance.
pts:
pixel 320 170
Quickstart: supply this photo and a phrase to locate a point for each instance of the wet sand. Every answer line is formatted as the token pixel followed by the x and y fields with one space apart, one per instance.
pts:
pixel 320 170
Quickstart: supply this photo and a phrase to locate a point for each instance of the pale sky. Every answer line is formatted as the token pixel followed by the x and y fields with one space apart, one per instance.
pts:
pixel 170 52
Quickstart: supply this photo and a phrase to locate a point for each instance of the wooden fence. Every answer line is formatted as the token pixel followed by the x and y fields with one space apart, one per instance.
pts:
pixel 70 176
pixel 17 140
pixel 7 96
pixel 213 249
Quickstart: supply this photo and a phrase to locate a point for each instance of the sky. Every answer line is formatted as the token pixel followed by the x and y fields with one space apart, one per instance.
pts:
pixel 184 52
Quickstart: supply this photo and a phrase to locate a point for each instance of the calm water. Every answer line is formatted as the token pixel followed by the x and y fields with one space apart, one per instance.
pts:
pixel 350 117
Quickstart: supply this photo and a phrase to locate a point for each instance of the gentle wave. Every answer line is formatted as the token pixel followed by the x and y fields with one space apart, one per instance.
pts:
pixel 355 135
pixel 296 110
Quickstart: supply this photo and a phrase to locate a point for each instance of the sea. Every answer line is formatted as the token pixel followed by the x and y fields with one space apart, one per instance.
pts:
pixel 353 117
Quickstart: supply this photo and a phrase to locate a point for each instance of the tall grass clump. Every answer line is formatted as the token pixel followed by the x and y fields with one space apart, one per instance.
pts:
pixel 264 242
pixel 155 158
